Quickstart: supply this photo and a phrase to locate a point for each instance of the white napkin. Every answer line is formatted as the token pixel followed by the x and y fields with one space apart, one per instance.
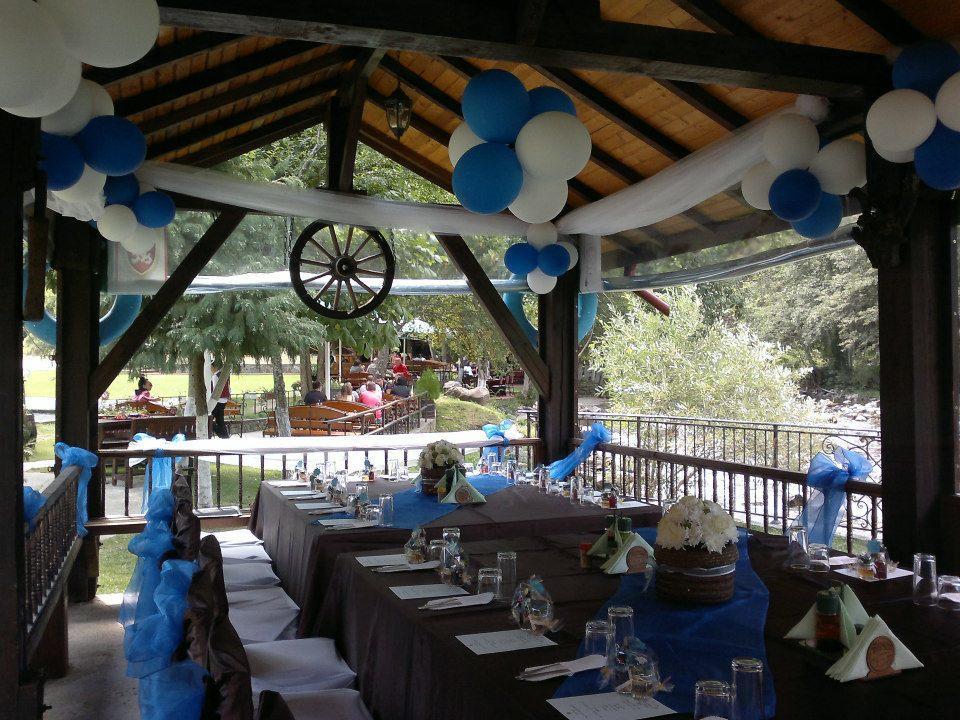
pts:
pixel 854 607
pixel 560 669
pixel 429 565
pixel 806 629
pixel 853 665
pixel 617 563
pixel 347 523
pixel 455 602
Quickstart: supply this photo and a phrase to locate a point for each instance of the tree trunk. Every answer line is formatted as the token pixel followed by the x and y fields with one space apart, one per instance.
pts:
pixel 483 372
pixel 280 392
pixel 383 361
pixel 197 401
pixel 306 371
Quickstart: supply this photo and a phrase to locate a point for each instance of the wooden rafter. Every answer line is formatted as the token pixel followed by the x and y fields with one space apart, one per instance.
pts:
pixel 345 117
pixel 884 20
pixel 716 17
pixel 402 155
pixel 487 30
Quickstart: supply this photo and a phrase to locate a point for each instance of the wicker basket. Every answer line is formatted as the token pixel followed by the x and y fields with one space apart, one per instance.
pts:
pixel 429 477
pixel 678 581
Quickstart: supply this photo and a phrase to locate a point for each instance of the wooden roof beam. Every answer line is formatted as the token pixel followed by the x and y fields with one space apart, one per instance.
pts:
pixel 488 30
pixel 884 20
pixel 345 116
pixel 716 17
pixel 405 157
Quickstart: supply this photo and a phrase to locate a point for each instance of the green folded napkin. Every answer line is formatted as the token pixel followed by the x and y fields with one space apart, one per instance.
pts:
pixel 461 491
pixel 617 563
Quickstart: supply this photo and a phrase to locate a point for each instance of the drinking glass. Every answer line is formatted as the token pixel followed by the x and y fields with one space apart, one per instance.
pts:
pixel 797 550
pixel 576 489
pixel 435 550
pixel 819 557
pixel 386 510
pixel 543 479
pixel 540 614
pixel 644 675
pixel 948 592
pixel 496 468
pixel 598 638
pixel 924 579
pixel 711 699
pixel 451 534
pixel 747 688
pixel 372 512
pixel 507 564
pixel 394 470
pixel 489 580
pixel 621 623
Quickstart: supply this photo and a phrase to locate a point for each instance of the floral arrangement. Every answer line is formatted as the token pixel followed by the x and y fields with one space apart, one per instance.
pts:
pixel 440 454
pixel 695 523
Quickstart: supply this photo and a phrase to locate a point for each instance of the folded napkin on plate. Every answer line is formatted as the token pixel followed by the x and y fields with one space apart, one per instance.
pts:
pixel 563 669
pixel 856 664
pixel 408 567
pixel 852 613
pixel 617 563
pixel 461 491
pixel 460 601
pixel 599 548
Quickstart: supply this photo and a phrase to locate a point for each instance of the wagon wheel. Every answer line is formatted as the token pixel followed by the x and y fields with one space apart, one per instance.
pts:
pixel 341 271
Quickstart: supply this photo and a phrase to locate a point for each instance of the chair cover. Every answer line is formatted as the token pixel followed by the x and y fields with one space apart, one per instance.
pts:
pixel 272 707
pixel 263 615
pixel 339 704
pixel 233 538
pixel 249 576
pixel 186 531
pixel 181 487
pixel 290 666
pixel 234 554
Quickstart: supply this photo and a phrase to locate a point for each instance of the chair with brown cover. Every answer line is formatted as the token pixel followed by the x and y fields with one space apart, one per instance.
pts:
pixel 341 704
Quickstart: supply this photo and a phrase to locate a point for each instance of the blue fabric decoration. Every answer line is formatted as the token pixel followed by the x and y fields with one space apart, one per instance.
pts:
pixel 112 145
pixel 492 431
pixel 794 195
pixel 546 99
pixel 824 220
pixel 487 178
pixel 829 475
pixel 692 641
pixel 121 189
pixel 86 461
pixel 121 316
pixel 520 258
pixel 33 501
pixel 496 105
pixel 61 160
pixel 553 259
pixel 154 209
pixel 159 470
pixel 149 546
pixel 595 435
pixel 587 304
pixel 174 693
pixel 925 66
pixel 937 160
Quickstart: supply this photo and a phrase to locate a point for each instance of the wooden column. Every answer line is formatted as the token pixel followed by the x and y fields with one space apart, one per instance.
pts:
pixel 345 117
pixel 76 256
pixel 559 347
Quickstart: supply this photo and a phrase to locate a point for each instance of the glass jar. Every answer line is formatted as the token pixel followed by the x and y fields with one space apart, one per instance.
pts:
pixel 415 550
pixel 608 497
pixel 576 490
pixel 865 567
pixel 828 622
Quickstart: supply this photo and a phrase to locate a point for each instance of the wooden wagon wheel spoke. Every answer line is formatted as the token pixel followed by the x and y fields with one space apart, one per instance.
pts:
pixel 336 242
pixel 362 284
pixel 322 249
pixel 336 297
pixel 346 247
pixel 326 287
pixel 315 277
pixel 314 263
pixel 372 273
pixel 361 246
pixel 353 295
pixel 368 258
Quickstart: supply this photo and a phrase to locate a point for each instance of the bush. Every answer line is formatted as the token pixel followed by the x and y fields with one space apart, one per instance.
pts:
pixel 455 415
pixel 428 384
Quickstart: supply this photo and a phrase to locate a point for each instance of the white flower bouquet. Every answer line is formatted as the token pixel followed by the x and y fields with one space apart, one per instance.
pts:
pixel 692 523
pixel 440 454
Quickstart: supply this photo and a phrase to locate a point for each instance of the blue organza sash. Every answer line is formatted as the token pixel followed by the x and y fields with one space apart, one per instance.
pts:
pixel 494 431
pixel 595 435
pixel 829 475
pixel 33 501
pixel 149 546
pixel 86 461
pixel 174 693
pixel 158 473
pixel 693 642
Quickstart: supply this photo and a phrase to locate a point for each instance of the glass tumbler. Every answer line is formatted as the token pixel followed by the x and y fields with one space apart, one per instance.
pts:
pixel 644 677
pixel 819 558
pixel 797 557
pixel 747 688
pixel 435 551
pixel 386 510
pixel 924 579
pixel 712 699
pixel 948 592
pixel 507 564
pixel 451 534
pixel 489 580
pixel 621 623
pixel 597 638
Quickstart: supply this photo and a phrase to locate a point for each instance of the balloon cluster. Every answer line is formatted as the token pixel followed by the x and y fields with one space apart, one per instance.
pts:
pixel 919 120
pixel 517 149
pixel 87 152
pixel 541 258
pixel 800 181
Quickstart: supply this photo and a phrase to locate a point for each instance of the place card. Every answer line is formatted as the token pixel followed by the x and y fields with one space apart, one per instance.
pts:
pixel 381 560
pixel 503 641
pixel 317 506
pixel 347 523
pixel 608 706
pixel 298 493
pixel 287 483
pixel 891 574
pixel 434 590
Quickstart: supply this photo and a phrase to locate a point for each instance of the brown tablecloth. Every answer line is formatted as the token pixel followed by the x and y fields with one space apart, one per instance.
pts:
pixel 304 554
pixel 411 666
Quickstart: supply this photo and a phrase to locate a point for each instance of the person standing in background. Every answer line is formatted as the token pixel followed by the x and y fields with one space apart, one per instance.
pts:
pixel 144 387
pixel 219 424
pixel 315 396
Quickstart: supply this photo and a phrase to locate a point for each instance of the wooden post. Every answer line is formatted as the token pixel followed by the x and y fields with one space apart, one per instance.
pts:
pixel 558 347
pixel 76 259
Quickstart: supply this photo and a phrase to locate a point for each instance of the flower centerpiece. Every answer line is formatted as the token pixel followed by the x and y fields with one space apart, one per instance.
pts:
pixel 696 552
pixel 435 460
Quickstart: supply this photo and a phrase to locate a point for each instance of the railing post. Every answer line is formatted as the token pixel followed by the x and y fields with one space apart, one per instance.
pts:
pixel 776 445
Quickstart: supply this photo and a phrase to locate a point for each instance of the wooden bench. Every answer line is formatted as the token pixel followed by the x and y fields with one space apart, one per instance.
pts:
pixel 313 421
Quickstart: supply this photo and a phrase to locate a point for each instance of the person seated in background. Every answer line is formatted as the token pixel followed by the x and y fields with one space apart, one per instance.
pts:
pixel 357 366
pixel 377 385
pixel 347 394
pixel 388 380
pixel 399 368
pixel 372 367
pixel 144 387
pixel 401 387
pixel 315 396
pixel 370 398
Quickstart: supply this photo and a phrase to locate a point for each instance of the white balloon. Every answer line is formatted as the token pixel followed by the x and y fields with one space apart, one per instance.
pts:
pixel 756 183
pixel 901 120
pixel 117 224
pixel 574 253
pixel 32 53
pixel 553 146
pixel 102 102
pixel 539 282
pixel 86 188
pixel 841 166
pixel 461 140
pixel 896 156
pixel 142 239
pixel 59 94
pixel 541 234
pixel 948 102
pixel 107 33
pixel 539 200
pixel 790 141
pixel 72 117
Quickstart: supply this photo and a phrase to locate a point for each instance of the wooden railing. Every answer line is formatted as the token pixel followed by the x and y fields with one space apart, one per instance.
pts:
pixel 766 498
pixel 49 552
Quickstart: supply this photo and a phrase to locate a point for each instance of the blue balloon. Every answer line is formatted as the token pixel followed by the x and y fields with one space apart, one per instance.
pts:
pixel 553 259
pixel 496 105
pixel 937 160
pixel 794 195
pixel 824 220
pixel 487 178
pixel 122 190
pixel 545 99
pixel 112 145
pixel 61 160
pixel 154 209
pixel 925 66
pixel 520 258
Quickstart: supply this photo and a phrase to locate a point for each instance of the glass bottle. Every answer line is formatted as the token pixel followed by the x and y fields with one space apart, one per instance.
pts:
pixel 828 622
pixel 415 549
pixel 612 544
pixel 608 498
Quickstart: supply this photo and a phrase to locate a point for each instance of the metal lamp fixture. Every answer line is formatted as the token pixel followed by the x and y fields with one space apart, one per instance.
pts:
pixel 398 107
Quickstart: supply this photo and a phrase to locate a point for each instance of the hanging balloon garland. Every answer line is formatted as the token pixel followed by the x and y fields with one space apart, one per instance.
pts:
pixel 516 150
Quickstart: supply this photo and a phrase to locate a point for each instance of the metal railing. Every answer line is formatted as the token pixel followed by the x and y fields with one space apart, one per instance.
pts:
pixel 766 498
pixel 50 549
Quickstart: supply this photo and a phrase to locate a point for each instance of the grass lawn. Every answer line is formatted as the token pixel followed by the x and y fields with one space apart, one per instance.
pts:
pixel 455 415
pixel 45 440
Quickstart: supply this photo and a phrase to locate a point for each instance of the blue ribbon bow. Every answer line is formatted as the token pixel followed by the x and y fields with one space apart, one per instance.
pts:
pixel 159 471
pixel 33 502
pixel 500 430
pixel 829 475
pixel 86 461
pixel 595 435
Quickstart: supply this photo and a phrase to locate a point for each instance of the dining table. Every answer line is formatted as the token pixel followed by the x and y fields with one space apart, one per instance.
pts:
pixel 411 665
pixel 304 552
